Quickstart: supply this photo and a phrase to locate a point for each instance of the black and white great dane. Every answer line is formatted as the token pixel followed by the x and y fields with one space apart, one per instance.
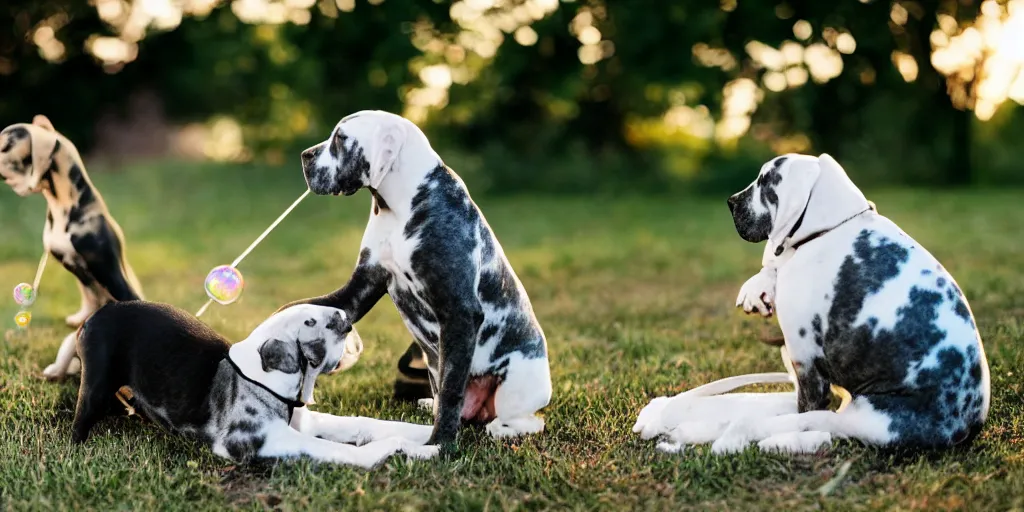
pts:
pixel 246 401
pixel 428 246
pixel 862 306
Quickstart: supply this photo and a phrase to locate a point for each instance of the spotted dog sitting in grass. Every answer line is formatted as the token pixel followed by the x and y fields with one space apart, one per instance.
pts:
pixel 247 400
pixel 79 232
pixel 428 246
pixel 862 307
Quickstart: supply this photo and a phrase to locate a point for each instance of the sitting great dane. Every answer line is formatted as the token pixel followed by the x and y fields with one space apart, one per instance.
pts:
pixel 247 400
pixel 862 307
pixel 79 232
pixel 429 247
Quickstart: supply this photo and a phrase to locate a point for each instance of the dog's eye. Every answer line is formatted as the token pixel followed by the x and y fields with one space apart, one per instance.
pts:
pixel 310 323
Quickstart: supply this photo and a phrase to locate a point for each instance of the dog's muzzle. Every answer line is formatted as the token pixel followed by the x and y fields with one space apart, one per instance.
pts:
pixel 732 202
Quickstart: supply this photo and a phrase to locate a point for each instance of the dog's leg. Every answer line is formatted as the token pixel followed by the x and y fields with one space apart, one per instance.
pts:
pixel 102 253
pixel 413 381
pixel 525 390
pixel 66 354
pixel 369 282
pixel 458 339
pixel 95 393
pixel 356 430
pixel 703 419
pixel 284 442
pixel 90 303
pixel 859 421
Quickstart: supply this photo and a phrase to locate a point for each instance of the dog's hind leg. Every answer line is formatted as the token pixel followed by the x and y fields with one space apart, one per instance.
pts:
pixel 859 421
pixel 703 419
pixel 65 355
pixel 356 430
pixel 95 394
pixel 525 390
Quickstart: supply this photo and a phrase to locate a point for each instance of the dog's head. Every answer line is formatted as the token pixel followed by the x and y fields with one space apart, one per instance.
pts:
pixel 26 152
pixel 794 195
pixel 291 348
pixel 362 149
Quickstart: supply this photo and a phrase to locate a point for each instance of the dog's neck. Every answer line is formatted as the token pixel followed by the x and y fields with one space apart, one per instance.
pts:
pixel 833 201
pixel 416 160
pixel 245 357
pixel 56 185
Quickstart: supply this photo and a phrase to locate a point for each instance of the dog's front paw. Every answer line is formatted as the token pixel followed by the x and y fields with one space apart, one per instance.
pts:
pixel 421 452
pixel 758 293
pixel 75 366
pixel 796 442
pixel 54 372
pixel 735 439
pixel 426 404
pixel 648 422
pixel 76 320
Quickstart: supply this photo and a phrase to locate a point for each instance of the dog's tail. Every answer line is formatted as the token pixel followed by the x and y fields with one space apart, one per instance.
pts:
pixel 730 383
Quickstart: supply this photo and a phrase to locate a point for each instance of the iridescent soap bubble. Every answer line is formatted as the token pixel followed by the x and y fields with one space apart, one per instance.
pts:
pixel 23 318
pixel 224 284
pixel 24 294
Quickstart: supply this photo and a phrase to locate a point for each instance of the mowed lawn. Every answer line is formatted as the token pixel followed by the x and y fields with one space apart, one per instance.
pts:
pixel 636 298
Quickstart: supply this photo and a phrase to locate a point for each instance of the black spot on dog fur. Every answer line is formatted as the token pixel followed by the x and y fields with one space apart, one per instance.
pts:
pixel 314 351
pixel 803 332
pixel 310 322
pixel 767 182
pixel 245 448
pixel 940 282
pixel 14 134
pixel 250 410
pixel 244 426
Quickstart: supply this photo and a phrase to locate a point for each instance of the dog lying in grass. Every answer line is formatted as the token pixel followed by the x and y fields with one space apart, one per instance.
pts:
pixel 247 400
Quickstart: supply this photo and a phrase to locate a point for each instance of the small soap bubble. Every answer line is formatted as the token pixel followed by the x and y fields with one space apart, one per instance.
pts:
pixel 24 294
pixel 224 284
pixel 23 318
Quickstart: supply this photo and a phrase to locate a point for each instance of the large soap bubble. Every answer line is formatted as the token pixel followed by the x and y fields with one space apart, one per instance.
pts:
pixel 24 294
pixel 224 284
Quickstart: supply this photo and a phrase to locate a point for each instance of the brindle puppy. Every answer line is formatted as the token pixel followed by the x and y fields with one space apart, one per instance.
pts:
pixel 79 231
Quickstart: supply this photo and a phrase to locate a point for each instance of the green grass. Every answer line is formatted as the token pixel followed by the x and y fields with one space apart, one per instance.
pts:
pixel 635 295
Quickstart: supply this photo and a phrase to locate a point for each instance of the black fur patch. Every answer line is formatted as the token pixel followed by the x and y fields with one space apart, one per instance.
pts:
pixel 279 355
pixel 314 351
pixel 751 227
pixel 14 135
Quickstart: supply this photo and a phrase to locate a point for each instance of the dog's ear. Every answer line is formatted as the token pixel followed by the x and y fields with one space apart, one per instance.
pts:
pixel 44 142
pixel 314 352
pixel 798 178
pixel 389 139
pixel 43 122
pixel 279 355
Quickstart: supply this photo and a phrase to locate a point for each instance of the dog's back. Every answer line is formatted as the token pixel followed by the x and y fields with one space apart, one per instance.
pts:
pixel 165 355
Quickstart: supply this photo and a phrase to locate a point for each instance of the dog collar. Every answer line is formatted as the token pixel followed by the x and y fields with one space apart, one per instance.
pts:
pixel 821 233
pixel 292 404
